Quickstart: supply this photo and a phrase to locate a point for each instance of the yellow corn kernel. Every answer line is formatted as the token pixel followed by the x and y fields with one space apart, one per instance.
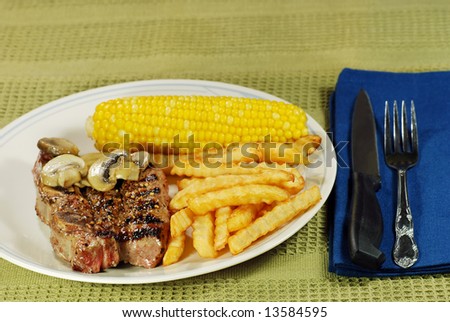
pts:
pixel 174 121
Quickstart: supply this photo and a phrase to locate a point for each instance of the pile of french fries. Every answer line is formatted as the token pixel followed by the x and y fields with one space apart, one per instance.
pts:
pixel 234 204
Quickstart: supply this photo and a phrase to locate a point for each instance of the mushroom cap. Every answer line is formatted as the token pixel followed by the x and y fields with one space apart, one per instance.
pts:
pixel 57 146
pixel 63 170
pixel 141 158
pixel 105 171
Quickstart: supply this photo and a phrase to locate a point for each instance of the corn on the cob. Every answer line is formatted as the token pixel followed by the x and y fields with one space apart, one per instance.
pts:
pixel 157 120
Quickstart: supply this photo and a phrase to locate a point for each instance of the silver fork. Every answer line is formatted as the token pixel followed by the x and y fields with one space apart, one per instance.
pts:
pixel 402 153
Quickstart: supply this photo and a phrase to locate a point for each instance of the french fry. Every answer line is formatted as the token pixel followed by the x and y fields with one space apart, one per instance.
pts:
pixel 294 186
pixel 291 152
pixel 269 177
pixel 180 221
pixel 266 208
pixel 210 170
pixel 174 250
pixel 203 235
pixel 244 152
pixel 183 183
pixel 242 216
pixel 221 233
pixel 232 153
pixel 279 215
pixel 308 144
pixel 166 161
pixel 281 153
pixel 235 196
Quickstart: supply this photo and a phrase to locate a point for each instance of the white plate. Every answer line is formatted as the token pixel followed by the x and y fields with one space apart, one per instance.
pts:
pixel 24 240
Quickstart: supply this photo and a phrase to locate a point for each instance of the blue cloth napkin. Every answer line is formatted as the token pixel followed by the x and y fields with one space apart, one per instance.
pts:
pixel 428 181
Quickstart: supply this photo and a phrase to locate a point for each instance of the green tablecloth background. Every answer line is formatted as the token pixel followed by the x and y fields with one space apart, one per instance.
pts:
pixel 291 49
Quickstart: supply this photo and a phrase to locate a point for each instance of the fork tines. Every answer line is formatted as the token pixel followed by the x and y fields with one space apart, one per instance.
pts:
pixel 401 137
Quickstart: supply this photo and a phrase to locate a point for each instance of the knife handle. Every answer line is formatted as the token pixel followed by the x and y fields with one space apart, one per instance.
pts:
pixel 365 223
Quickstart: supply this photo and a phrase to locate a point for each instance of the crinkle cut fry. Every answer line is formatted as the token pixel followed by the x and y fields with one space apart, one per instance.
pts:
pixel 235 196
pixel 175 249
pixel 270 177
pixel 273 219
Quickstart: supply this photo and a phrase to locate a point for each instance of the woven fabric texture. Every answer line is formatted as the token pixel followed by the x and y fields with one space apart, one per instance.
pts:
pixel 293 49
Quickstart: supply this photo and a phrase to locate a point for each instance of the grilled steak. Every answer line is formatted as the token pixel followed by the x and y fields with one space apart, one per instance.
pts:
pixel 95 230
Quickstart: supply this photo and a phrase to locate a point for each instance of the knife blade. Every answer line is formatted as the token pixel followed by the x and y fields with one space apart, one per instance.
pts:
pixel 365 218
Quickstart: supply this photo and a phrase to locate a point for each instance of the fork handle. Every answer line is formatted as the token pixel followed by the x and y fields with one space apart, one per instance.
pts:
pixel 405 251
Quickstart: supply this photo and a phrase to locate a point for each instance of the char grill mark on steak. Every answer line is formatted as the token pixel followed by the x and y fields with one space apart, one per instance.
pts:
pixel 151 177
pixel 108 209
pixel 95 230
pixel 145 204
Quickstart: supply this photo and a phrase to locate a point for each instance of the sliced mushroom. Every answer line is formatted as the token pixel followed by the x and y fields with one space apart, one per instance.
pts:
pixel 104 172
pixel 82 183
pixel 57 146
pixel 90 158
pixel 141 158
pixel 63 171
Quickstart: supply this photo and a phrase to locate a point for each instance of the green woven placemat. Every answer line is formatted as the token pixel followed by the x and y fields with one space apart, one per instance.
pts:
pixel 291 49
